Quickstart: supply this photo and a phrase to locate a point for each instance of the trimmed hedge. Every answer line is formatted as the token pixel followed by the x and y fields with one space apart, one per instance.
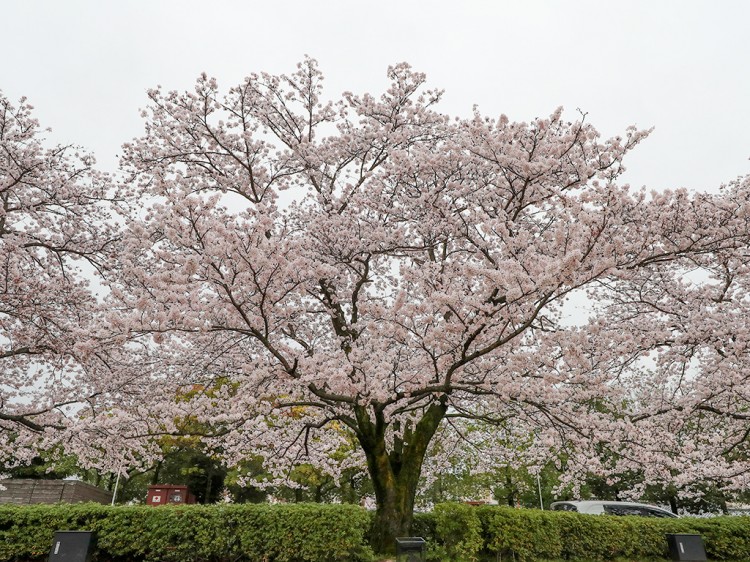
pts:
pixel 459 531
pixel 529 534
pixel 257 532
pixel 331 533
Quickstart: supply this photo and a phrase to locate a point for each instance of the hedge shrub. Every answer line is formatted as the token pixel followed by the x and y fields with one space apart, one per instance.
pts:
pixel 333 533
pixel 459 530
pixel 269 533
pixel 524 533
pixel 530 534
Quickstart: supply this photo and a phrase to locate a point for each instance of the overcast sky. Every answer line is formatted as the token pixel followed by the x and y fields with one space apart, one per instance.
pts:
pixel 682 67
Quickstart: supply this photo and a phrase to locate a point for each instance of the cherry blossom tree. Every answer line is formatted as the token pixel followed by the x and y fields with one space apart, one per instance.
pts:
pixel 54 238
pixel 689 408
pixel 300 273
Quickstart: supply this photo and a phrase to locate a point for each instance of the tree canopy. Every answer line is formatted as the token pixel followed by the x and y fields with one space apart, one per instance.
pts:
pixel 55 239
pixel 300 274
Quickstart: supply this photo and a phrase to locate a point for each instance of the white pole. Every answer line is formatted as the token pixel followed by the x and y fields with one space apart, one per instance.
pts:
pixel 539 487
pixel 117 482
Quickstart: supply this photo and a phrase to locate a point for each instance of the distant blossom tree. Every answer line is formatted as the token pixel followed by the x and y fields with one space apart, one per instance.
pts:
pixel 692 428
pixel 54 239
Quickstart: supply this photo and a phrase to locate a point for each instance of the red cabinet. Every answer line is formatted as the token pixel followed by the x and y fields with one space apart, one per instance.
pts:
pixel 163 494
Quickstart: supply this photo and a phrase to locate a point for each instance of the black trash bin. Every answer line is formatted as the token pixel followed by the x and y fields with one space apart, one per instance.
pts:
pixel 72 546
pixel 410 549
pixel 686 547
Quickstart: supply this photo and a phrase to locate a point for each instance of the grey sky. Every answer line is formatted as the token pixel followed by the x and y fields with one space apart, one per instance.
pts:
pixel 681 66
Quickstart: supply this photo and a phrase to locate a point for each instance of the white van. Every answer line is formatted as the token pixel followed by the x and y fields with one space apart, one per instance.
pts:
pixel 601 507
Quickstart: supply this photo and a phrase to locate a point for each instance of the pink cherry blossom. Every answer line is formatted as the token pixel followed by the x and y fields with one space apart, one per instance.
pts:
pixel 368 282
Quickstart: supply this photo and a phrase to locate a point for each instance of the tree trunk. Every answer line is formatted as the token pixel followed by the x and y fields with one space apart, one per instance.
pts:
pixel 209 485
pixel 157 473
pixel 394 512
pixel 673 503
pixel 511 496
pixel 318 492
pixel 395 474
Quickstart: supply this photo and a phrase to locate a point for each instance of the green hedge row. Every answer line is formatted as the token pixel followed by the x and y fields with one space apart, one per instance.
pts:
pixel 462 533
pixel 257 532
pixel 329 533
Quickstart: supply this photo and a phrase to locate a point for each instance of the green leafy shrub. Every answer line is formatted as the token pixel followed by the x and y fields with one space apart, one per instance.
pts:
pixel 337 533
pixel 278 533
pixel 593 537
pixel 458 531
pixel 423 525
pixel 544 535
pixel 726 538
pixel 524 534
pixel 287 533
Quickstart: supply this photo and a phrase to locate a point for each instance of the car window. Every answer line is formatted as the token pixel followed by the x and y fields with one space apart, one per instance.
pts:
pixel 641 511
pixel 656 513
pixel 611 509
pixel 564 507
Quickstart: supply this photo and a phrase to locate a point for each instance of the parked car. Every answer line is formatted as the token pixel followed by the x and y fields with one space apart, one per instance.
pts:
pixel 600 507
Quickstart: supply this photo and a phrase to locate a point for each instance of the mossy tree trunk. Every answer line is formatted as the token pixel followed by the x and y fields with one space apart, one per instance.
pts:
pixel 395 474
